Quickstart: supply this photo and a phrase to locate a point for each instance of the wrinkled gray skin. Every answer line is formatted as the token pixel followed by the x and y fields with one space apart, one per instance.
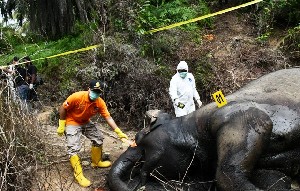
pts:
pixel 251 143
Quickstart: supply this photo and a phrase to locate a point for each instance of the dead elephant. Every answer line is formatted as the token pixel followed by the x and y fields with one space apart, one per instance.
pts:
pixel 252 143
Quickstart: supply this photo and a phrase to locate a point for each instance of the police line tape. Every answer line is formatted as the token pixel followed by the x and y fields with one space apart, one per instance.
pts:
pixel 203 17
pixel 151 31
pixel 57 55
pixel 70 52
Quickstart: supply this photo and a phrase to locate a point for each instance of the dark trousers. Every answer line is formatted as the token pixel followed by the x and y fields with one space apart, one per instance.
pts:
pixel 32 95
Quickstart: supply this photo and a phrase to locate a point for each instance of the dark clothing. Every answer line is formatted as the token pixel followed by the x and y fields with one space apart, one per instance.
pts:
pixel 31 69
pixel 20 82
pixel 20 76
pixel 32 96
pixel 23 91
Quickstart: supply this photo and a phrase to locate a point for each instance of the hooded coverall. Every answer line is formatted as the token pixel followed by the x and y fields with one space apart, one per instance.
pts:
pixel 183 89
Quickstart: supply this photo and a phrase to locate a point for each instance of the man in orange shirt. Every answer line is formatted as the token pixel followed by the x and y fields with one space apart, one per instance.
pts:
pixel 75 114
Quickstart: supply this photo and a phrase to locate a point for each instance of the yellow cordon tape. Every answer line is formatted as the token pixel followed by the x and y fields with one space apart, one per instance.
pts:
pixel 57 55
pixel 66 53
pixel 204 17
pixel 74 51
pixel 151 31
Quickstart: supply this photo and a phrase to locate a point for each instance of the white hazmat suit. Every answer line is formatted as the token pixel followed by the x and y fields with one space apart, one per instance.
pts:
pixel 182 91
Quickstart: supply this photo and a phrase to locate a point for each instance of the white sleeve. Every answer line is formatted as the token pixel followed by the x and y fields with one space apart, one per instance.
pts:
pixel 173 89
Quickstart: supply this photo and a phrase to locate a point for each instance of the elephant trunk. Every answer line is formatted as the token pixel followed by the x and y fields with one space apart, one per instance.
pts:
pixel 118 175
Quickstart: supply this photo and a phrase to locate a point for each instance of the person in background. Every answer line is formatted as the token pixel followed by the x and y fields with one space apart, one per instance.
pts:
pixel 10 72
pixel 75 114
pixel 31 77
pixel 182 90
pixel 20 83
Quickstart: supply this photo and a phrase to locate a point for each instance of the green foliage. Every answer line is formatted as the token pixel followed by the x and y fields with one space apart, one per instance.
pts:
pixel 143 15
pixel 9 39
pixel 81 27
pixel 164 71
pixel 159 47
pixel 42 50
pixel 293 39
pixel 281 13
pixel 119 24
pixel 5 46
pixel 154 14
pixel 204 76
pixel 64 67
pixel 264 37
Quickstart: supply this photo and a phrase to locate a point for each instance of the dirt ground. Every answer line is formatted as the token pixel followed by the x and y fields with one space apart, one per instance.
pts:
pixel 57 174
pixel 230 32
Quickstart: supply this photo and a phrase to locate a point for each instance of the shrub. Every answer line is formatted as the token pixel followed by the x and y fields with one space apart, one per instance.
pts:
pixel 280 13
pixel 20 146
pixel 143 15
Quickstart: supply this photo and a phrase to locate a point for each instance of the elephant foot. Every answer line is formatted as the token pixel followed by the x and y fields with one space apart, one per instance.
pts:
pixel 143 178
pixel 143 188
pixel 271 180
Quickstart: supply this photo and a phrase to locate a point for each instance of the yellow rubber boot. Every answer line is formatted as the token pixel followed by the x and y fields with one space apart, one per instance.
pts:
pixel 96 155
pixel 75 162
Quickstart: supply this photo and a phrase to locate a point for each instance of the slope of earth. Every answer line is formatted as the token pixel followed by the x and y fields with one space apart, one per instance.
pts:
pixel 237 59
pixel 235 54
pixel 57 174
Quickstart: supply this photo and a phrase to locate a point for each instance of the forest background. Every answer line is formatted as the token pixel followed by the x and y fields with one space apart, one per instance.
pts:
pixel 223 52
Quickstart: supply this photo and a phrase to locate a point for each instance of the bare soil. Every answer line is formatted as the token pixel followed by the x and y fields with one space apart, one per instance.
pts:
pixel 57 174
pixel 231 32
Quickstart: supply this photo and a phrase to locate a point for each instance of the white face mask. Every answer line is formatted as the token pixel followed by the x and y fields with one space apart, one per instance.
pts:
pixel 183 74
pixel 94 95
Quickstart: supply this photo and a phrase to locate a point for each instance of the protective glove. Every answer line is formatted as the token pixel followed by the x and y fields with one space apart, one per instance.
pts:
pixel 179 104
pixel 199 103
pixel 30 86
pixel 120 133
pixel 61 128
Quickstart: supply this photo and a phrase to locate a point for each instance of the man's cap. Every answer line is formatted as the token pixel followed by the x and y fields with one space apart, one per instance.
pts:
pixel 26 58
pixel 96 85
pixel 182 66
pixel 15 59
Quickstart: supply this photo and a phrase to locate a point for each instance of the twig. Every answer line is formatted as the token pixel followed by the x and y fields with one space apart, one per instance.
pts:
pixel 282 178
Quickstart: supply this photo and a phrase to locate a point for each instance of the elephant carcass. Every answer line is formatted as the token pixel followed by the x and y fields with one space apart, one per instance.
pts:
pixel 251 143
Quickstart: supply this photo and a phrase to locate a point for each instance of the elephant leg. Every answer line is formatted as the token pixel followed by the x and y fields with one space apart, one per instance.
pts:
pixel 271 180
pixel 240 142
pixel 287 162
pixel 154 145
pixel 120 172
pixel 151 159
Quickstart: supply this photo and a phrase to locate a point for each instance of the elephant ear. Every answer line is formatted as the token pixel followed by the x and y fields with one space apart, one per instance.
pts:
pixel 160 120
pixel 155 118
pixel 151 116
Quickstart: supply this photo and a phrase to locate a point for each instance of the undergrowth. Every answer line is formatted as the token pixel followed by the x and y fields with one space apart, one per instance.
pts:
pixel 20 146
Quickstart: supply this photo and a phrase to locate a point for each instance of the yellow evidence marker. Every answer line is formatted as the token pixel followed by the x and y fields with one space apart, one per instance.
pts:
pixel 219 98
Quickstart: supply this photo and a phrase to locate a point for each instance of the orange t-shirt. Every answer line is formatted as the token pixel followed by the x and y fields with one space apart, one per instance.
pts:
pixel 80 109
